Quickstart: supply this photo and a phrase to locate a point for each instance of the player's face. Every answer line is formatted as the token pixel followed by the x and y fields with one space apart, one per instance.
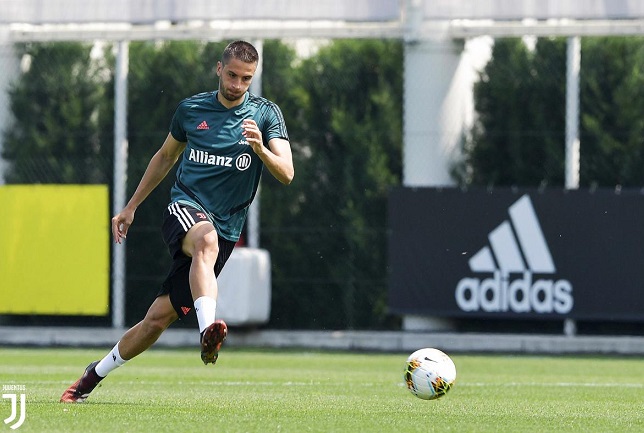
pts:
pixel 234 79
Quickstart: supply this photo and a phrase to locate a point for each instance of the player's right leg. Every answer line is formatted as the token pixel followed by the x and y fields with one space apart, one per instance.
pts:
pixel 198 255
pixel 177 285
pixel 201 244
pixel 211 340
pixel 135 341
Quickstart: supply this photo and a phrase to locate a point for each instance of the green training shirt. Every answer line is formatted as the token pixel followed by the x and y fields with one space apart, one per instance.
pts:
pixel 218 171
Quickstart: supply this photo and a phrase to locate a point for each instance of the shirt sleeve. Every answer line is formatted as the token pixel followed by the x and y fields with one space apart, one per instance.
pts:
pixel 275 126
pixel 176 126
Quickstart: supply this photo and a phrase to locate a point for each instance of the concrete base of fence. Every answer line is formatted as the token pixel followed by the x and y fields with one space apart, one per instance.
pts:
pixel 377 341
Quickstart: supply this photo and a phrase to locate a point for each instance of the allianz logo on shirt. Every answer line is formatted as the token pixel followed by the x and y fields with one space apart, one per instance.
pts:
pixel 242 162
pixel 518 248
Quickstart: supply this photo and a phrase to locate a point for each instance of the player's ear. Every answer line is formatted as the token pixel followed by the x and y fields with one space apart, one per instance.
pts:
pixel 219 68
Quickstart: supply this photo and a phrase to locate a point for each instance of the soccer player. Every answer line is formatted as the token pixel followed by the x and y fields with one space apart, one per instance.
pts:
pixel 222 140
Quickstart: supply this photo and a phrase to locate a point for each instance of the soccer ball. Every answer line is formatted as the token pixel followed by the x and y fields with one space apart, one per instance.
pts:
pixel 429 373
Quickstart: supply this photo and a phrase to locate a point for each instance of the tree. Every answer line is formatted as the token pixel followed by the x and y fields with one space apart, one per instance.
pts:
pixel 612 127
pixel 56 105
pixel 330 233
pixel 519 136
pixel 519 133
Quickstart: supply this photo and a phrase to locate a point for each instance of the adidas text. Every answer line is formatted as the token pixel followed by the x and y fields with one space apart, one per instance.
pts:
pixel 517 247
pixel 522 295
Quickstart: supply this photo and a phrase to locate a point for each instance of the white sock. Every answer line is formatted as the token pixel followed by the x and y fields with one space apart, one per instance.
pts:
pixel 111 361
pixel 205 307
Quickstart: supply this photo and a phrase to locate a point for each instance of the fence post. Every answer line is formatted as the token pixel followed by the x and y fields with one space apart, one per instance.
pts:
pixel 120 179
pixel 573 70
pixel 573 66
pixel 254 209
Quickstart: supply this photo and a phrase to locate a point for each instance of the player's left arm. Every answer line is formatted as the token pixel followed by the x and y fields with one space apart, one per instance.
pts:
pixel 277 157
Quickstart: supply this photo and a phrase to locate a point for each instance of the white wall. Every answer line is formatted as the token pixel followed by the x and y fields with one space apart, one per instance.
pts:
pixel 438 105
pixel 146 12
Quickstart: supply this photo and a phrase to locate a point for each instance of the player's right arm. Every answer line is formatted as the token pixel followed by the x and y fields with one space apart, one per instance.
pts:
pixel 158 168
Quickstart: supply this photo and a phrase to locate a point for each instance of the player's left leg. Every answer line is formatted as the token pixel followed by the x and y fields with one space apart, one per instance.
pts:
pixel 135 341
pixel 144 334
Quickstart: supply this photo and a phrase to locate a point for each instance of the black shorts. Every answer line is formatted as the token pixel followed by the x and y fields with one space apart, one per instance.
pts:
pixel 177 220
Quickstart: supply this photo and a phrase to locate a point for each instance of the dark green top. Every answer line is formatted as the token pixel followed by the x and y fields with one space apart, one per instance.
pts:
pixel 218 171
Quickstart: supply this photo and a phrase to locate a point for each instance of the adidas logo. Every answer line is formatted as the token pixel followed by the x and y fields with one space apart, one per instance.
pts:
pixel 203 125
pixel 517 251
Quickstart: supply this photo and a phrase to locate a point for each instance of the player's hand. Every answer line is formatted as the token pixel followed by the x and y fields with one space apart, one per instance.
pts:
pixel 253 135
pixel 120 225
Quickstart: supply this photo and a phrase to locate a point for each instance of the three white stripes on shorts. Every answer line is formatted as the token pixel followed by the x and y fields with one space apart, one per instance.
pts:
pixel 184 217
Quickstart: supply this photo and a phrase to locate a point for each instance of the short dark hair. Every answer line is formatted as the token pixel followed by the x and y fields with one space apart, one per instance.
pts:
pixel 240 50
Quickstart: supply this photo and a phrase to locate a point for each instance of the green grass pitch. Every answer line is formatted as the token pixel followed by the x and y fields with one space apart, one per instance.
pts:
pixel 299 391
